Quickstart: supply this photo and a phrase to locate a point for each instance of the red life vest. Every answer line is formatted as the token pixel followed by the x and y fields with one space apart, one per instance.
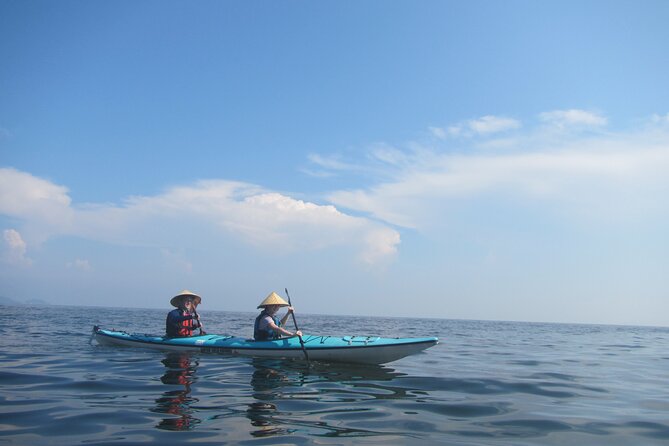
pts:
pixel 186 328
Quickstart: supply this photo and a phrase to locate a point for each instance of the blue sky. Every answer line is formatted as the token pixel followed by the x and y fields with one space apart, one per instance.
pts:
pixel 480 160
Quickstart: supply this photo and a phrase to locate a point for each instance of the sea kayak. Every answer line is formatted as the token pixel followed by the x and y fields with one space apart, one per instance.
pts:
pixel 354 349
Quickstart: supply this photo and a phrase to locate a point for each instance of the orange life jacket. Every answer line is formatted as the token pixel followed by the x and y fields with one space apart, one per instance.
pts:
pixel 186 328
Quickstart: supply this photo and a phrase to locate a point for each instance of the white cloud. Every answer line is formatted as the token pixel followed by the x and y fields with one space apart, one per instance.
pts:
pixel 483 126
pixel 24 195
pixel 573 118
pixel 213 208
pixel 331 162
pixel 381 245
pixel 660 119
pixel 454 130
pixel 15 248
pixel 438 132
pixel 43 205
pixel 79 264
pixel 613 176
pixel 388 154
pixel 327 166
pixel 493 124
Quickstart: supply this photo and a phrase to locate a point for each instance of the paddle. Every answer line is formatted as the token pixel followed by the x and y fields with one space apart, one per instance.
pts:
pixel 297 329
pixel 197 316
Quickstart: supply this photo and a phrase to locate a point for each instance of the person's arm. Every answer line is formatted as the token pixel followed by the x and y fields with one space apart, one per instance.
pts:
pixel 282 330
pixel 285 316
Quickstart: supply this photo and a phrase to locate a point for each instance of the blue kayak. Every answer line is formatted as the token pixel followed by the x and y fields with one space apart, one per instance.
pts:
pixel 354 349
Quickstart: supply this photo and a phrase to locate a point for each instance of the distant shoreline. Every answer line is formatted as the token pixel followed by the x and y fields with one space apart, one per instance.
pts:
pixel 30 302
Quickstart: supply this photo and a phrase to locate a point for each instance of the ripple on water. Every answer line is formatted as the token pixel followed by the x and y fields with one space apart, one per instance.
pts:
pixel 485 387
pixel 518 428
pixel 461 410
pixel 650 430
pixel 27 380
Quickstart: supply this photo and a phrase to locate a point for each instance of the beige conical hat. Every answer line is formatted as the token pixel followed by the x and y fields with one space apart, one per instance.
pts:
pixel 182 294
pixel 273 299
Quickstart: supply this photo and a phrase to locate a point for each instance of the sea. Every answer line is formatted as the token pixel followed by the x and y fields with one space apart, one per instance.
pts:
pixel 485 383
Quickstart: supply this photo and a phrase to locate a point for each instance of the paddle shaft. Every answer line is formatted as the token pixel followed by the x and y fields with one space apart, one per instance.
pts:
pixel 197 316
pixel 304 349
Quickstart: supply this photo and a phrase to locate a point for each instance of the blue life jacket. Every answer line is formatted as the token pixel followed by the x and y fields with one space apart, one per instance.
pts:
pixel 266 333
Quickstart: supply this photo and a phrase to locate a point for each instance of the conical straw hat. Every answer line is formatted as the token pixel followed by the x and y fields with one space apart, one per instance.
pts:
pixel 182 294
pixel 273 299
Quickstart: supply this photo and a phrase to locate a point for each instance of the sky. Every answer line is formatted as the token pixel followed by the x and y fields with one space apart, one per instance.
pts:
pixel 441 159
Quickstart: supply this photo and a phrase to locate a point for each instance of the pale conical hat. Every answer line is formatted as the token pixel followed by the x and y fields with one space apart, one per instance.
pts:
pixel 273 299
pixel 176 300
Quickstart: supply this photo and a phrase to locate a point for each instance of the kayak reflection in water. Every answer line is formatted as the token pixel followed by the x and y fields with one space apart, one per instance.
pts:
pixel 292 396
pixel 184 320
pixel 266 381
pixel 180 372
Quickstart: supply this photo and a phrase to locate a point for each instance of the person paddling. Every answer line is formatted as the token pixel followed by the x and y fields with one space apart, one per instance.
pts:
pixel 184 320
pixel 267 325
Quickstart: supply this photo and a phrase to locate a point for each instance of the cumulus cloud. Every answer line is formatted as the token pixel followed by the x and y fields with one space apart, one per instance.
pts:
pixel 45 207
pixel 265 219
pixel 26 196
pixel 380 245
pixel 15 248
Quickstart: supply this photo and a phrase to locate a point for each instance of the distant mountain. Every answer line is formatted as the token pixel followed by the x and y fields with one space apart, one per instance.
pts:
pixel 37 302
pixel 34 302
pixel 7 301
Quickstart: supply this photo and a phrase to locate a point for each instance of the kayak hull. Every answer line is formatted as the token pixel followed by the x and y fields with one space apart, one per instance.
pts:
pixel 353 349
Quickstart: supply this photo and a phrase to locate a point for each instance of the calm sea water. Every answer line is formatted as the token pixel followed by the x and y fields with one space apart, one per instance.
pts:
pixel 486 383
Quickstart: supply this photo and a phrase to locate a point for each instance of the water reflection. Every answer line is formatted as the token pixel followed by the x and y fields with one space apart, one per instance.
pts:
pixel 316 398
pixel 267 379
pixel 180 371
pixel 282 397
